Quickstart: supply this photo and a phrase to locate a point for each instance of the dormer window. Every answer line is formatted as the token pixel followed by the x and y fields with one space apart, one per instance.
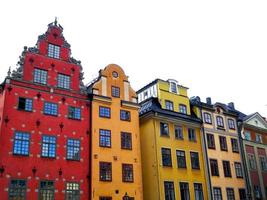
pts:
pixel 53 51
pixel 63 81
pixel 173 87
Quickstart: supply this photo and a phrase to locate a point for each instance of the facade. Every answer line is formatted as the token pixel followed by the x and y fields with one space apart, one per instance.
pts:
pixel 44 127
pixel 224 160
pixel 253 131
pixel 171 144
pixel 116 156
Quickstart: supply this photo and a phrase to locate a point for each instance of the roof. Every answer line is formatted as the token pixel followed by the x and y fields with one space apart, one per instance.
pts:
pixel 152 105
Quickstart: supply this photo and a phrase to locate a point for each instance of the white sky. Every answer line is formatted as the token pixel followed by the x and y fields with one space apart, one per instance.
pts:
pixel 216 48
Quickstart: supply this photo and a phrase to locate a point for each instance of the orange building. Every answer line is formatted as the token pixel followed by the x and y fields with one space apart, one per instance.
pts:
pixel 116 156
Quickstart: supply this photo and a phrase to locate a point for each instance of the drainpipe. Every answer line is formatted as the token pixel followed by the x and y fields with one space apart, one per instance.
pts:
pixel 243 160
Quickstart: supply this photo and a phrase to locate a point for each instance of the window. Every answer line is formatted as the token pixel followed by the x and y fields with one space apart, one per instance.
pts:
pixel 72 191
pixel 105 171
pixel 169 190
pixel 238 170
pixel 258 138
pixel 230 194
pixel 17 190
pixel 74 113
pixel 50 108
pixel 251 162
pixel 220 123
pixel 223 143
pixel 104 138
pixel 227 169
pixel 25 104
pixel 126 140
pixel 115 74
pixel 231 124
pixel 207 118
pixel 242 194
pixel 178 132
pixel 53 51
pixel 198 191
pixel 164 129
pixel 40 76
pixel 104 112
pixel 125 115
pixel 21 143
pixel 192 134
pixel 257 192
pixel 127 173
pixel 47 190
pixel 105 198
pixel 63 81
pixel 166 157
pixel 247 135
pixel 211 141
pixel 182 109
pixel 214 167
pixel 169 105
pixel 235 147
pixel 173 87
pixel 181 159
pixel 184 190
pixel 263 163
pixel 73 149
pixel 115 91
pixel 49 146
pixel 194 160
pixel 217 193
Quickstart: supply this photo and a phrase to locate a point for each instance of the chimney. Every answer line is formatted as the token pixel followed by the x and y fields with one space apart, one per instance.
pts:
pixel 208 100
pixel 231 105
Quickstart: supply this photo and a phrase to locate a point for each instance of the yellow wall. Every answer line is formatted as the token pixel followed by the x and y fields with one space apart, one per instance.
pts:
pixel 154 174
pixel 180 98
pixel 115 154
pixel 221 181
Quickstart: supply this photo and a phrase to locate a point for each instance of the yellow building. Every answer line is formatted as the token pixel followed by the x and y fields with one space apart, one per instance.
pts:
pixel 171 144
pixel 116 157
pixel 223 151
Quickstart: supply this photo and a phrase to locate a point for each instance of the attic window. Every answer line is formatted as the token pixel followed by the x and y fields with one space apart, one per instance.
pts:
pixel 53 51
pixel 115 74
pixel 173 87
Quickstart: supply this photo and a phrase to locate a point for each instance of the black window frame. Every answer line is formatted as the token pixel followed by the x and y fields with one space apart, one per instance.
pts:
pixel 231 123
pixel 230 192
pixel 115 91
pixel 105 171
pixel 214 168
pixel 126 140
pixel 74 113
pixel 223 143
pixel 184 190
pixel 166 157
pixel 181 159
pixel 235 146
pixel 22 106
pixel 164 131
pixel 169 191
pixel 211 141
pixel 217 196
pixel 104 112
pixel 46 189
pixel 227 168
pixel 207 118
pixel 178 132
pixel 72 148
pixel 194 159
pixel 198 190
pixel 49 144
pixel 127 173
pixel 125 115
pixel 242 194
pixel 104 138
pixel 20 142
pixel 18 190
pixel 192 132
pixel 71 191
pixel 238 170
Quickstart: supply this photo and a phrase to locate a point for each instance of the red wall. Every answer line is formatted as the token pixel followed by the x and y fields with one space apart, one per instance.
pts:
pixel 253 173
pixel 20 167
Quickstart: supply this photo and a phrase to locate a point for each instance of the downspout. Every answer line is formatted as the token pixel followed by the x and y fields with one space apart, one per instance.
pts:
pixel 243 160
pixel 210 192
pixel 90 147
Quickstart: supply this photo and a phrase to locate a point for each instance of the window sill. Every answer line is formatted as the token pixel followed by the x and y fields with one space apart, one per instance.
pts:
pixel 51 115
pixel 127 149
pixel 22 155
pixel 74 119
pixel 68 159
pixel 167 136
pixel 221 128
pixel 29 111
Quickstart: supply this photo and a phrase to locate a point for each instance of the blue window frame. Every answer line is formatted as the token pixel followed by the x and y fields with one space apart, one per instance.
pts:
pixel 49 146
pixel 40 76
pixel 21 143
pixel 104 138
pixel 50 108
pixel 104 112
pixel 74 113
pixel 73 149
pixel 25 104
pixel 63 81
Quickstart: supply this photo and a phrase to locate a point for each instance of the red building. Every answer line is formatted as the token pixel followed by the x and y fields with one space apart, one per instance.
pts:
pixel 44 124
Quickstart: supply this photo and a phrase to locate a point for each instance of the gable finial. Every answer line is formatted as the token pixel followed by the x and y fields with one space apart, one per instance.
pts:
pixel 9 72
pixel 55 21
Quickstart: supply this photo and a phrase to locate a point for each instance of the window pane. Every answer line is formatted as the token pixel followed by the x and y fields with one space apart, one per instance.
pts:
pixel 50 108
pixel 49 146
pixel 21 143
pixel 46 190
pixel 126 140
pixel 166 157
pixel 125 115
pixel 104 138
pixel 73 149
pixel 104 112
pixel 169 190
pixel 184 191
pixel 53 51
pixel 74 113
pixel 105 171
pixel 72 191
pixel 17 190
pixel 40 76
pixel 63 81
pixel 127 172
pixel 115 91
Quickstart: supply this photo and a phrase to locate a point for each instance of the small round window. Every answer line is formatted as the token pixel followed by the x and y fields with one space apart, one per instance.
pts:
pixel 115 74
